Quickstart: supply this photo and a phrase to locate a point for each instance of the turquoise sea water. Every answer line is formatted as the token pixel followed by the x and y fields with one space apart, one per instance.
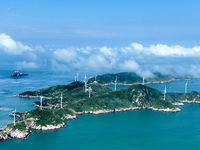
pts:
pixel 137 129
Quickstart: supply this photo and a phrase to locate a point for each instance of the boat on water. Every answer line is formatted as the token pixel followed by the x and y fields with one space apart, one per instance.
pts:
pixel 18 74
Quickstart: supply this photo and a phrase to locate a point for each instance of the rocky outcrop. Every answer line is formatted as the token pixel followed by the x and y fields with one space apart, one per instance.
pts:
pixel 49 127
pixel 100 111
pixel 177 104
pixel 187 101
pixel 31 124
pixel 19 134
pixel 28 96
pixel 8 133
pixel 3 136
pixel 113 110
pixel 103 111
pixel 166 109
pixel 69 117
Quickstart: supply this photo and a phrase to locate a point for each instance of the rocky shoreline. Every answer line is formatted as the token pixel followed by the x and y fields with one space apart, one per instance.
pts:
pixel 187 101
pixel 28 96
pixel 9 133
pixel 104 111
pixel 154 82
pixel 166 110
pixel 178 104
pixel 181 103
pixel 31 124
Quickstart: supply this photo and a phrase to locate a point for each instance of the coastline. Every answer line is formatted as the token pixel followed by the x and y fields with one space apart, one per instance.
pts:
pixel 181 103
pixel 149 82
pixel 104 111
pixel 31 125
pixel 187 101
pixel 28 96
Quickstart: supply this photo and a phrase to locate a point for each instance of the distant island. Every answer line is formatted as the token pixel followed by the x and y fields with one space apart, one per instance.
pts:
pixel 63 102
pixel 129 78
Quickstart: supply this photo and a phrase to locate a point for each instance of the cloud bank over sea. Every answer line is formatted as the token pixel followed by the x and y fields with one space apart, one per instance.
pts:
pixel 144 60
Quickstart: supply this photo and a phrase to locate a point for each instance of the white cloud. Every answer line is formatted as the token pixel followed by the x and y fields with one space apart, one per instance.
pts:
pixel 129 65
pixel 39 48
pixel 145 73
pixel 65 55
pixel 135 57
pixel 138 58
pixel 107 51
pixel 8 45
pixel 95 62
pixel 59 67
pixel 27 65
pixel 137 46
pixel 163 50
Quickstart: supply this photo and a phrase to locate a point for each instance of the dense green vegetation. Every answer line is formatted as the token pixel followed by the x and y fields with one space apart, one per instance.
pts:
pixel 20 126
pixel 124 77
pixel 129 78
pixel 183 96
pixel 75 98
pixel 135 95
pixel 45 117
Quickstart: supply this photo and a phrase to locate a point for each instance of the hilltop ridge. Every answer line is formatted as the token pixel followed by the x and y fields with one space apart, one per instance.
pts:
pixel 133 78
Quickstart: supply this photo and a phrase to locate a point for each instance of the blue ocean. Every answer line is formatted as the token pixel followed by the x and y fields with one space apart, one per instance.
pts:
pixel 137 129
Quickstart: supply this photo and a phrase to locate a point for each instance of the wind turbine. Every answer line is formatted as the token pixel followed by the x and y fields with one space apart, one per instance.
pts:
pixel 41 102
pixel 116 83
pixel 61 100
pixel 95 81
pixel 143 81
pixel 186 87
pixel 75 78
pixel 165 91
pixel 85 83
pixel 90 90
pixel 14 116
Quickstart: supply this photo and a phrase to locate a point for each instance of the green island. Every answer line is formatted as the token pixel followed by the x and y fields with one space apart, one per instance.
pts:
pixel 94 98
pixel 129 78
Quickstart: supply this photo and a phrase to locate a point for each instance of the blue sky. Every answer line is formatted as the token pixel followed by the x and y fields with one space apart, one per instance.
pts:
pixel 108 33
pixel 101 22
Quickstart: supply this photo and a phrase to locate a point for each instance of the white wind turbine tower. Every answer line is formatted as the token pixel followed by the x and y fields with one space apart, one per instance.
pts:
pixel 85 83
pixel 61 98
pixel 165 91
pixel 116 83
pixel 90 90
pixel 143 81
pixel 186 87
pixel 41 102
pixel 75 78
pixel 95 81
pixel 14 116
